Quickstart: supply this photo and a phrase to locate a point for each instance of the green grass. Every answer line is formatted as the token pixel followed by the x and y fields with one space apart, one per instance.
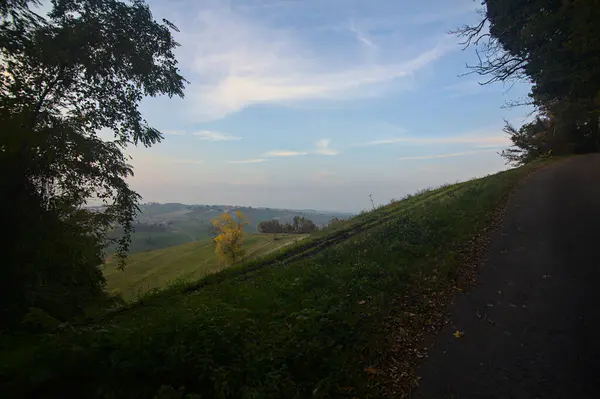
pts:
pixel 299 323
pixel 157 269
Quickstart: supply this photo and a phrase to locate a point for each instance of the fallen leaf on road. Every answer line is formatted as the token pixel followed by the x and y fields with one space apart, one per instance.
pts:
pixel 458 334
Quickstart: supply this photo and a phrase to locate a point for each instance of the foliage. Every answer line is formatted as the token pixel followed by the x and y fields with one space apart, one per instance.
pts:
pixel 556 46
pixel 530 141
pixel 36 320
pixel 336 223
pixel 65 78
pixel 293 328
pixel 168 392
pixel 299 225
pixel 230 240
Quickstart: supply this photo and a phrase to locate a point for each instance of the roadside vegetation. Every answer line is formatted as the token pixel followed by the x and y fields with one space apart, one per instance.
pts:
pixel 302 322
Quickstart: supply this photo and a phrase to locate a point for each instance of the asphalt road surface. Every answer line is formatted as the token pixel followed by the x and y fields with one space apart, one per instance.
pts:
pixel 532 325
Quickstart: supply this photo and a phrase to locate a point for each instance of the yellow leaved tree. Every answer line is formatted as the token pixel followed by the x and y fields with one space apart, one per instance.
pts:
pixel 230 236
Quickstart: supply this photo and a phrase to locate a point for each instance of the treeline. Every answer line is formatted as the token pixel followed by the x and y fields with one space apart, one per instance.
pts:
pixel 299 225
pixel 555 45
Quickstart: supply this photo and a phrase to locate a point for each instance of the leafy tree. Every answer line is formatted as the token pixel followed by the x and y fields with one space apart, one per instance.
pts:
pixel 270 226
pixel 65 78
pixel 230 241
pixel 299 225
pixel 555 45
pixel 336 222
pixel 530 141
pixel 305 226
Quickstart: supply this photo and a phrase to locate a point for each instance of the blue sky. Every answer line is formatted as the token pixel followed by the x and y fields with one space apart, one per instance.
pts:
pixel 319 103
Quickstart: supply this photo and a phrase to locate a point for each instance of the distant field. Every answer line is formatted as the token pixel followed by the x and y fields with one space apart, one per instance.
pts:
pixel 164 225
pixel 156 269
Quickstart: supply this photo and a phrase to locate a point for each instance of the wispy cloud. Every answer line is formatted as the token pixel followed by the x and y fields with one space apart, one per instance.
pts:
pixel 474 139
pixel 244 161
pixel 455 154
pixel 237 61
pixel 283 153
pixel 210 135
pixel 323 148
pixel 174 133
pixel 361 36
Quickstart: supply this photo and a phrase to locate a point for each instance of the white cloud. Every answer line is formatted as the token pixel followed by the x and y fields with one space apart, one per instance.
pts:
pixel 209 135
pixel 283 153
pixel 474 139
pixel 174 133
pixel 456 154
pixel 236 61
pixel 244 161
pixel 361 36
pixel 323 148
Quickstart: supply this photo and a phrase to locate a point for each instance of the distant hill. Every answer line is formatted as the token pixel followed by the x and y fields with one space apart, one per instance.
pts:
pixel 164 225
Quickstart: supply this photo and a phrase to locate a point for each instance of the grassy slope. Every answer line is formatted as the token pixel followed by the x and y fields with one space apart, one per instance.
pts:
pixel 299 324
pixel 148 270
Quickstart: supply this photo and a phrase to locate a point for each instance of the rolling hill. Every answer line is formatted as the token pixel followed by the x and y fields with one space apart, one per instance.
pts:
pixel 149 270
pixel 164 225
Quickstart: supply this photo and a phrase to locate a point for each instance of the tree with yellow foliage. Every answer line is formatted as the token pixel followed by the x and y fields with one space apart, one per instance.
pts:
pixel 230 239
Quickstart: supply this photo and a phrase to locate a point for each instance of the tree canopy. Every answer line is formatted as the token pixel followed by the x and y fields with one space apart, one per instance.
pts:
pixel 554 44
pixel 299 225
pixel 229 240
pixel 65 79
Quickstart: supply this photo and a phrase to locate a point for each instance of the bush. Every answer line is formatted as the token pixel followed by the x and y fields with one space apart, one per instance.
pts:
pixel 50 263
pixel 37 320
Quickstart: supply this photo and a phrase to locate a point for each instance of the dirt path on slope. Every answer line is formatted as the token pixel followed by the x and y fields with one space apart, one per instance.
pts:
pixel 531 326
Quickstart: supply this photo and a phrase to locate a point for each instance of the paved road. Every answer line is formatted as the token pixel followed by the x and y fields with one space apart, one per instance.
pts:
pixel 532 325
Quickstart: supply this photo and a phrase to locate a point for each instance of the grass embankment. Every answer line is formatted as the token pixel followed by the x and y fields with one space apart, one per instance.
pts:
pixel 301 323
pixel 150 270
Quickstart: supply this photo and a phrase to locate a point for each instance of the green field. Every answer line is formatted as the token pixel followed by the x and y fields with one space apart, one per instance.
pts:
pixel 311 320
pixel 156 269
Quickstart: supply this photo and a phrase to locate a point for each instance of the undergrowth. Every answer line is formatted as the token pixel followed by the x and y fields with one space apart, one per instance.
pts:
pixel 294 324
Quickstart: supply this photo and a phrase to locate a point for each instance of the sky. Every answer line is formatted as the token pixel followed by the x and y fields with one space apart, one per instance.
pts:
pixel 317 104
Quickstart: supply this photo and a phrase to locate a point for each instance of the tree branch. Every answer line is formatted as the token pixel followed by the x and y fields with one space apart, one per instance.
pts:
pixel 43 96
